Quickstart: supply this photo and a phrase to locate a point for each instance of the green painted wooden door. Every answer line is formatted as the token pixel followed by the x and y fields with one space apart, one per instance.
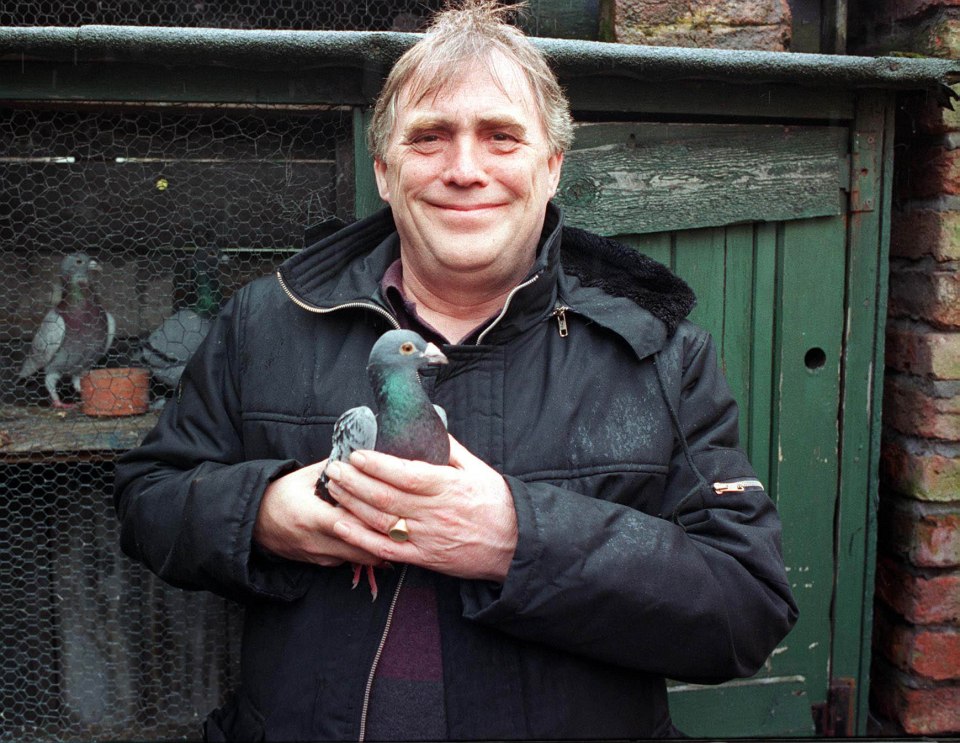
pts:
pixel 758 219
pixel 772 295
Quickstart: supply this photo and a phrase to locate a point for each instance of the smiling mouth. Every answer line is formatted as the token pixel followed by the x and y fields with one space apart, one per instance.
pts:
pixel 467 207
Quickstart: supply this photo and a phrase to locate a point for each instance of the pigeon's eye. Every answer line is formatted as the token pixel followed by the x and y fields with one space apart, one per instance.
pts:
pixel 407 348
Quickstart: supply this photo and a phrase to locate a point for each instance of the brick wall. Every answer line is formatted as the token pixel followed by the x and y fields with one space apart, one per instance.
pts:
pixel 915 684
pixel 717 24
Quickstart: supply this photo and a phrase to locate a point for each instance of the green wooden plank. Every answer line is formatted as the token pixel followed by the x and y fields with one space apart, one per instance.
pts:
pixel 862 391
pixel 656 245
pixel 738 308
pixel 768 707
pixel 759 415
pixel 804 449
pixel 561 19
pixel 367 196
pixel 104 81
pixel 606 92
pixel 642 177
pixel 699 260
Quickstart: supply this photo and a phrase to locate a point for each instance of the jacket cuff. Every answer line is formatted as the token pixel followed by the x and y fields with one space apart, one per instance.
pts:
pixel 488 602
pixel 268 575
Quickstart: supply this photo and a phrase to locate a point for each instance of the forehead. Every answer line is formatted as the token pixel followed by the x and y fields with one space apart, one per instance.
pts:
pixel 474 86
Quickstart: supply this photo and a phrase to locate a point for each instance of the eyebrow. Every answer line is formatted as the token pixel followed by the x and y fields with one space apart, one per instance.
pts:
pixel 425 122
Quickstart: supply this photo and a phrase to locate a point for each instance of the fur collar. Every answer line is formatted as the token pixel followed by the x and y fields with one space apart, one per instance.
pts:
pixel 622 271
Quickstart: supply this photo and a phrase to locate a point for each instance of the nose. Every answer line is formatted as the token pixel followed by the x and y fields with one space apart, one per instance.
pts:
pixel 465 166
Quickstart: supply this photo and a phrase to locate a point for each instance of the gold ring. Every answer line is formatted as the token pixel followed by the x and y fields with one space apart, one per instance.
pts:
pixel 399 532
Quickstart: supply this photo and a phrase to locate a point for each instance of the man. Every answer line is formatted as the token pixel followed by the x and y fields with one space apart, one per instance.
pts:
pixel 584 541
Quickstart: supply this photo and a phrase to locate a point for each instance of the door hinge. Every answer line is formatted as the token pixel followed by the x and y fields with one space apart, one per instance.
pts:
pixel 834 718
pixel 864 177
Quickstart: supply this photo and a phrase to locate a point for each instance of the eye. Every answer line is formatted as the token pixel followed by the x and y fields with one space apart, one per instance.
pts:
pixel 427 143
pixel 407 348
pixel 503 142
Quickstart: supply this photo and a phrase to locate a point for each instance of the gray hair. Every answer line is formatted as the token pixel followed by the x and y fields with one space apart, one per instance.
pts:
pixel 474 30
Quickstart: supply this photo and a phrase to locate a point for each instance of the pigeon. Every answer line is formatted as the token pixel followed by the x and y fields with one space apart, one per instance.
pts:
pixel 406 424
pixel 75 333
pixel 169 347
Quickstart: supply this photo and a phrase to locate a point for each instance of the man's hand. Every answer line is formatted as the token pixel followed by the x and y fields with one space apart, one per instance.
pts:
pixel 294 523
pixel 461 518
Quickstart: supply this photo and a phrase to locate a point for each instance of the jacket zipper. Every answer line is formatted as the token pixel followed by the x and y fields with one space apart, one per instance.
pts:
pixel 560 312
pixel 736 486
pixel 393 321
pixel 376 658
pixel 324 310
pixel 506 306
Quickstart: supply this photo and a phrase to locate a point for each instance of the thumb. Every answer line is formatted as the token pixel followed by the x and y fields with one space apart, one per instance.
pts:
pixel 461 457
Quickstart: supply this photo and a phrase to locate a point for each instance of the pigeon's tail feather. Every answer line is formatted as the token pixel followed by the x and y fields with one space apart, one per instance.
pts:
pixel 321 487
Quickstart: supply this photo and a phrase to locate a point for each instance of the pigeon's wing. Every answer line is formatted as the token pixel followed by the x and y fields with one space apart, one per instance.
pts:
pixel 111 333
pixel 355 429
pixel 47 341
pixel 168 348
pixel 443 415
pixel 178 336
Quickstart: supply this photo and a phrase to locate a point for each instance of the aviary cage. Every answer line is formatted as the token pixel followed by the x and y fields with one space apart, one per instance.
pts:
pixel 94 645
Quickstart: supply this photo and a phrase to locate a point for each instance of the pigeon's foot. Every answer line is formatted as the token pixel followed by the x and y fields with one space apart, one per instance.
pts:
pixel 371 579
pixel 60 405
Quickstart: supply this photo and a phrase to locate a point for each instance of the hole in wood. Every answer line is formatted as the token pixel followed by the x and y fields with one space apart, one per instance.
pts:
pixel 815 358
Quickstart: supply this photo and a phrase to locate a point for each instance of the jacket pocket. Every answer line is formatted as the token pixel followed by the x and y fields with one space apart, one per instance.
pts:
pixel 237 721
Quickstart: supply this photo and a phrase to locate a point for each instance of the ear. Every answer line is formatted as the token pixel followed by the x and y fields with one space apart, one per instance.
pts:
pixel 554 166
pixel 380 173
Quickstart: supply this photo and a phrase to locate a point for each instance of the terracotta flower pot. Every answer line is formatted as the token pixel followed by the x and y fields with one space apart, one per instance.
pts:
pixel 115 391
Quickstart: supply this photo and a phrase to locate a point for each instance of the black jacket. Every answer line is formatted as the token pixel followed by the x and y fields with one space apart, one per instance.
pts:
pixel 630 566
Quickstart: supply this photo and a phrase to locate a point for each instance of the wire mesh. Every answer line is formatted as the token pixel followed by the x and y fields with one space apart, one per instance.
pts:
pixel 153 217
pixel 333 15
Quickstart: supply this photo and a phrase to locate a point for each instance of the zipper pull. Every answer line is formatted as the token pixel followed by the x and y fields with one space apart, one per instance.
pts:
pixel 561 314
pixel 737 486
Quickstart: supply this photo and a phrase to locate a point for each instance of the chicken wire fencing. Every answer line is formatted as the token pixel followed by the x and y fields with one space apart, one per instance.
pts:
pixel 122 231
pixel 328 15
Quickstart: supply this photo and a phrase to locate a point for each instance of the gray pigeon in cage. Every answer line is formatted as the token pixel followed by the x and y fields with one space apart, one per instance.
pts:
pixel 75 333
pixel 169 347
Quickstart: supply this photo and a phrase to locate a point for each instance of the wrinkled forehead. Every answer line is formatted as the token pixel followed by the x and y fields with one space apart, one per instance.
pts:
pixel 444 78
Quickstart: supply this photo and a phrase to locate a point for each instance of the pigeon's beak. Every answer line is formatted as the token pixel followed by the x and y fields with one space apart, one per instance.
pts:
pixel 434 355
pixel 94 266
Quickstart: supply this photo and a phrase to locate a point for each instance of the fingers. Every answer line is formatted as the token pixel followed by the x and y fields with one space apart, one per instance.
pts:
pixel 293 522
pixel 380 519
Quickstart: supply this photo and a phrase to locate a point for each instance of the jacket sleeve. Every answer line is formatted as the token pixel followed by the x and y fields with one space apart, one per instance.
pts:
pixel 186 498
pixel 696 593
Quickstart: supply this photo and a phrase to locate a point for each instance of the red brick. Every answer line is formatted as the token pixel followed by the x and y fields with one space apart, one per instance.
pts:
pixel 932 172
pixel 920 599
pixel 920 710
pixel 887 11
pixel 933 296
pixel 705 12
pixel 917 407
pixel 932 653
pixel 916 470
pixel 938 37
pixel 926 535
pixel 917 233
pixel 919 350
pixel 728 24
pixel 929 117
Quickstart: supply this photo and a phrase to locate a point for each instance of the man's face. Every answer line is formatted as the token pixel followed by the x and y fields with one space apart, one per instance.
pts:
pixel 468 174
